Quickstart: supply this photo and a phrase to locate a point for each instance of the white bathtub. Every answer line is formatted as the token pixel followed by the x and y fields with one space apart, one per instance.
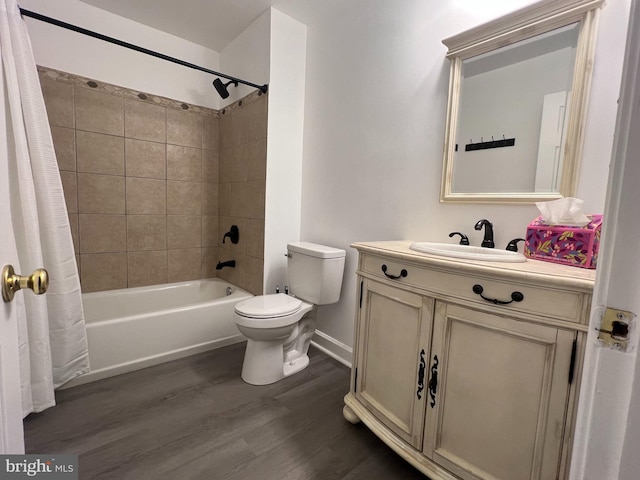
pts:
pixel 138 327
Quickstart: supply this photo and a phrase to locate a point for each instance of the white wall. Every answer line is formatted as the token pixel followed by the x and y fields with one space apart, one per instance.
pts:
pixel 247 57
pixel 72 52
pixel 284 144
pixel 376 97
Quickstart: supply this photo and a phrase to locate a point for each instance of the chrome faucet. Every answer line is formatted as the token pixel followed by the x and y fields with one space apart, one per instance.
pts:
pixel 488 232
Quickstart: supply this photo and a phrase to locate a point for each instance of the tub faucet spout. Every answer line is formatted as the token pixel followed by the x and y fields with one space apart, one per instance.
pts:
pixel 228 263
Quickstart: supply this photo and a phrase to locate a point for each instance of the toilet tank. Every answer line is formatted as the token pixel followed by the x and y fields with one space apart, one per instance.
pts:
pixel 315 272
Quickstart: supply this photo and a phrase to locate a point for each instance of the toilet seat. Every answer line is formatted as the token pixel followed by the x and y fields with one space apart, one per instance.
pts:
pixel 268 306
pixel 270 311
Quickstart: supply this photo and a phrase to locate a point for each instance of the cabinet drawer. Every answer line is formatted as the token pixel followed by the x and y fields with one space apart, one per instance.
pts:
pixel 548 302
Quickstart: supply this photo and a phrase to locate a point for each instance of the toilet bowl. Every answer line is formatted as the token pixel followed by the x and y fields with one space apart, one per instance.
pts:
pixel 279 327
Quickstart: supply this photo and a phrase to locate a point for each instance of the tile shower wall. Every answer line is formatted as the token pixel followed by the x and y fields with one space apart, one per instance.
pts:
pixel 141 180
pixel 242 174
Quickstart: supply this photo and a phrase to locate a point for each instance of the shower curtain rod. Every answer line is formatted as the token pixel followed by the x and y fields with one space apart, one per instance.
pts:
pixel 115 41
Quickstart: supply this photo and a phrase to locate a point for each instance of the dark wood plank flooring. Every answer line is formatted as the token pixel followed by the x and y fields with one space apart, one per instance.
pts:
pixel 195 418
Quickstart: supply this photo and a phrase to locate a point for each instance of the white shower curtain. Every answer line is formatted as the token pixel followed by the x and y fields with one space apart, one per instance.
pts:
pixel 52 337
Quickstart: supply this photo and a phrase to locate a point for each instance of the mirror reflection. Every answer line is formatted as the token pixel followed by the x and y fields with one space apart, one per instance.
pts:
pixel 513 112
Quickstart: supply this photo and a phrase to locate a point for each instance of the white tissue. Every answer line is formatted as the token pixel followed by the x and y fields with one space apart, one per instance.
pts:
pixel 566 211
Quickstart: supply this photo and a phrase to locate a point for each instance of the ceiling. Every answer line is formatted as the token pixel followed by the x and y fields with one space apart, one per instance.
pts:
pixel 211 23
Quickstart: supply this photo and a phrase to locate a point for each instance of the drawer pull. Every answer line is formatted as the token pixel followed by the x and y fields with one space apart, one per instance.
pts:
pixel 515 296
pixel 403 273
pixel 421 368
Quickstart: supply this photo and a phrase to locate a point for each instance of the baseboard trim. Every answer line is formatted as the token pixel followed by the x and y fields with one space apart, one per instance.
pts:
pixel 332 347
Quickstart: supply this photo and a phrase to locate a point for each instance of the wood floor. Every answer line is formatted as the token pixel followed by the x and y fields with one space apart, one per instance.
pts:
pixel 196 419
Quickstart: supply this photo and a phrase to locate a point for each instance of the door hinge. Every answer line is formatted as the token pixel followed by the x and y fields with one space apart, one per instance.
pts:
pixel 355 380
pixel 361 290
pixel 572 365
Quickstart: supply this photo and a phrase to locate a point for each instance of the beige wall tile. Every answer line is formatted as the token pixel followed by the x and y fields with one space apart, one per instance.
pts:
pixel 99 112
pixel 254 238
pixel 70 188
pixel 210 231
pixel 147 268
pixel 210 132
pixel 73 224
pixel 58 98
pixel 145 159
pixel 210 198
pixel 257 160
pixel 209 262
pixel 224 129
pixel 100 193
pixel 184 231
pixel 144 121
pixel 210 166
pixel 256 120
pixel 64 143
pixel 184 264
pixel 99 153
pixel 184 163
pixel 184 128
pixel 183 198
pixel 238 134
pixel 240 199
pixel 103 271
pixel 103 233
pixel 146 196
pixel 146 232
pixel 180 195
pixel 254 275
pixel 255 204
pixel 233 164
pixel 224 199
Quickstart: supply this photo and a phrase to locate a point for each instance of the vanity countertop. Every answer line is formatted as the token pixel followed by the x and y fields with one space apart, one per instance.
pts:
pixel 532 270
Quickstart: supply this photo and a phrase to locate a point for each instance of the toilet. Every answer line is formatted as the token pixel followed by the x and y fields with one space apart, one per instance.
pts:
pixel 279 326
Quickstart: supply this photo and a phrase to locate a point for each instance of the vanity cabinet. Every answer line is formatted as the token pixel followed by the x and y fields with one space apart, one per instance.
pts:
pixel 466 387
pixel 394 326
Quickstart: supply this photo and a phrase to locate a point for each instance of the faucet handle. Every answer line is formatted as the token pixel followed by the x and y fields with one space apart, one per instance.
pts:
pixel 512 246
pixel 464 240
pixel 233 234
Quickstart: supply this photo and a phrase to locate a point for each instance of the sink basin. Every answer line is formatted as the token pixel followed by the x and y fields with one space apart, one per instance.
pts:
pixel 468 252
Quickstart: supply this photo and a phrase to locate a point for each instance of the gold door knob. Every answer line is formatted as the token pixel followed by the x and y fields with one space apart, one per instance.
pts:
pixel 38 281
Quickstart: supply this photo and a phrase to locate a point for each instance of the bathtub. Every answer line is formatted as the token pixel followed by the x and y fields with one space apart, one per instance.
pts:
pixel 134 328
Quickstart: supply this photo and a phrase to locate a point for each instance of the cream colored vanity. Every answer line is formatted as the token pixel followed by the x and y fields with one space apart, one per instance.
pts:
pixel 463 386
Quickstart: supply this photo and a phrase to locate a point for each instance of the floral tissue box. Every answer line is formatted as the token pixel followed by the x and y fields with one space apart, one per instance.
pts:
pixel 576 246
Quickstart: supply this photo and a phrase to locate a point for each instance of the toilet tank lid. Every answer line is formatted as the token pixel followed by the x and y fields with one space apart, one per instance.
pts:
pixel 315 250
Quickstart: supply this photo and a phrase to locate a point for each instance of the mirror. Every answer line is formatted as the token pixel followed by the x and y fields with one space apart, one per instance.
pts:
pixel 517 99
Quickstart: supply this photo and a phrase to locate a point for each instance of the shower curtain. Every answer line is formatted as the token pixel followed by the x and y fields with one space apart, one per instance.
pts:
pixel 52 333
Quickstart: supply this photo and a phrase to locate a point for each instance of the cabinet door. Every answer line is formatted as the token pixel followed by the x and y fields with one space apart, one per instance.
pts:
pixel 500 402
pixel 394 331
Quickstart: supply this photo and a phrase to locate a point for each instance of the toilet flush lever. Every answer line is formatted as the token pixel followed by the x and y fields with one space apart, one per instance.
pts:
pixel 38 281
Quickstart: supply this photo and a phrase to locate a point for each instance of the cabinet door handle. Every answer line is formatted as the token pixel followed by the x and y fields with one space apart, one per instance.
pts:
pixel 421 368
pixel 403 273
pixel 515 296
pixel 433 382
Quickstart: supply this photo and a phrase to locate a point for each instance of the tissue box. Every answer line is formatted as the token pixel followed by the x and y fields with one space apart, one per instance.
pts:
pixel 577 246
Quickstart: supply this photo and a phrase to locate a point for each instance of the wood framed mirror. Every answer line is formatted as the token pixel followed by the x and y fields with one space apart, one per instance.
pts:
pixel 518 94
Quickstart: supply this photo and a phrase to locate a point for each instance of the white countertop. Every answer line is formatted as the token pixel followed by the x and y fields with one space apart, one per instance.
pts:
pixel 531 270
